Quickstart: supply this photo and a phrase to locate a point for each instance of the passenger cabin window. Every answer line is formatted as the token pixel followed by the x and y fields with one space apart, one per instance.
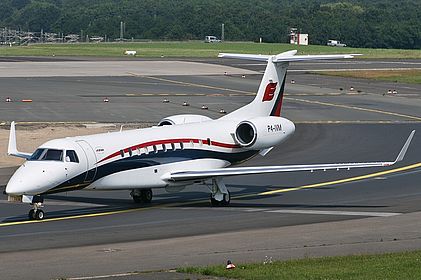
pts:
pixel 122 153
pixel 164 148
pixel 155 149
pixel 71 156
pixel 173 146
pixel 130 152
pixel 181 145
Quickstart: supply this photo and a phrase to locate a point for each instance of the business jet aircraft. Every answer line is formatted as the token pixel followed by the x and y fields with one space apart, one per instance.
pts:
pixel 181 150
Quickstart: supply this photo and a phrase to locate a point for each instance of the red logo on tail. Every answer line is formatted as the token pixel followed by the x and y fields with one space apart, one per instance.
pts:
pixel 269 92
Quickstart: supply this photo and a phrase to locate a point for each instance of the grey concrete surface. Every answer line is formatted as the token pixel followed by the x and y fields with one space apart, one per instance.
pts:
pixel 112 68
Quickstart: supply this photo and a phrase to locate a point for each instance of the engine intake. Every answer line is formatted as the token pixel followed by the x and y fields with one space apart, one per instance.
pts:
pixel 246 134
pixel 263 132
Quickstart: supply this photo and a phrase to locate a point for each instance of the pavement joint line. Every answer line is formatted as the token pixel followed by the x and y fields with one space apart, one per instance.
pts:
pixel 105 276
pixel 346 180
pixel 355 108
pixel 197 85
pixel 340 213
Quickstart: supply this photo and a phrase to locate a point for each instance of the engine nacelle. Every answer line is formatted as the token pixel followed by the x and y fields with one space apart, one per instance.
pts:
pixel 263 132
pixel 182 119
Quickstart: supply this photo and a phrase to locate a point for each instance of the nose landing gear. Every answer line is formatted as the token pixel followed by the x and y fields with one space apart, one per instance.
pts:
pixel 36 212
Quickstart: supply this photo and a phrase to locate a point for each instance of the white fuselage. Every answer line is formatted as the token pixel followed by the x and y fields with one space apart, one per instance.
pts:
pixel 134 159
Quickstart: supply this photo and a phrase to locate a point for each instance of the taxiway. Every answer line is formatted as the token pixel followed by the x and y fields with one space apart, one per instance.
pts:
pixel 280 215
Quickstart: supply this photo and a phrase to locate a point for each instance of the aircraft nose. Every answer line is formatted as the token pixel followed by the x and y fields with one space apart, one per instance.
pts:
pixel 33 179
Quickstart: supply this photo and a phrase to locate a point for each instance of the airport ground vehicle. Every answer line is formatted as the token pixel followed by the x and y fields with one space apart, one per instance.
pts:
pixel 335 43
pixel 212 39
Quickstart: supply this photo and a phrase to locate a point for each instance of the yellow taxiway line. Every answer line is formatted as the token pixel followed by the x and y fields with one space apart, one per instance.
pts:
pixel 416 118
pixel 322 184
pixel 355 108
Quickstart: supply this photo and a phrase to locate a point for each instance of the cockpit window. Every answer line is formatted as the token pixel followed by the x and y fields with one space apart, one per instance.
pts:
pixel 37 154
pixel 71 156
pixel 47 154
pixel 53 154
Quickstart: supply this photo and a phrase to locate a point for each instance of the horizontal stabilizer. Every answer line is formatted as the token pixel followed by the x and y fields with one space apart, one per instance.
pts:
pixel 221 172
pixel 286 56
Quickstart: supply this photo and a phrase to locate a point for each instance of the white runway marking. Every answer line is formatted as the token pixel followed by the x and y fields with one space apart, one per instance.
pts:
pixel 297 211
pixel 344 213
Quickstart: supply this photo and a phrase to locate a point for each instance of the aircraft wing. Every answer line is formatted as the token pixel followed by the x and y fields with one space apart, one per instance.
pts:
pixel 222 172
pixel 12 149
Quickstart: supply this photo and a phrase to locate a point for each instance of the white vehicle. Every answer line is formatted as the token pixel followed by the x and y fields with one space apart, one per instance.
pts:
pixel 212 39
pixel 133 53
pixel 335 43
pixel 181 150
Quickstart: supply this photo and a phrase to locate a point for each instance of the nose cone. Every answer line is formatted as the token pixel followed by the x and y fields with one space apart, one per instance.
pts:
pixel 34 178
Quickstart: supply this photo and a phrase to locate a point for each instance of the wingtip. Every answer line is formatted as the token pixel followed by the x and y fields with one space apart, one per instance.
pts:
pixel 404 149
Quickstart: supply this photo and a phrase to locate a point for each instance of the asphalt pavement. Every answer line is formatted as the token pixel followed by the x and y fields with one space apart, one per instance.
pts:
pixel 283 216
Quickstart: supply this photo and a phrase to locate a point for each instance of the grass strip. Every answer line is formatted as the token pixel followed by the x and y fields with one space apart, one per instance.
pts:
pixel 406 265
pixel 191 49
pixel 411 76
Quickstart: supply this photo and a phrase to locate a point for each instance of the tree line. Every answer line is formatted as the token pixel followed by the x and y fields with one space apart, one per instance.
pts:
pixel 358 23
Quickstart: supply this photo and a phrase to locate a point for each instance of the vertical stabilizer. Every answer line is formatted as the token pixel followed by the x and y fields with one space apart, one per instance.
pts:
pixel 268 100
pixel 269 97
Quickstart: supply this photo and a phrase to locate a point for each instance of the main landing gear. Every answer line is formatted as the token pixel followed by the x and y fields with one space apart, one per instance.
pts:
pixel 142 195
pixel 36 212
pixel 220 196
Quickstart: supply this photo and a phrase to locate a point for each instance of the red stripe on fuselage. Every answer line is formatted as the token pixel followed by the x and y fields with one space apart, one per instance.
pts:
pixel 169 141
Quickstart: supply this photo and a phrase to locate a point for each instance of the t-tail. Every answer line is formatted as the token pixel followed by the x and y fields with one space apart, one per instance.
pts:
pixel 269 97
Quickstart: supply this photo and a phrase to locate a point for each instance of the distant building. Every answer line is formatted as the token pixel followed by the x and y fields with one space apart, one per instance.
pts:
pixel 297 38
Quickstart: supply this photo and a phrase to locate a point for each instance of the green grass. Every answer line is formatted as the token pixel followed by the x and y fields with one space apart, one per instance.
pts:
pixel 386 266
pixel 190 49
pixel 411 76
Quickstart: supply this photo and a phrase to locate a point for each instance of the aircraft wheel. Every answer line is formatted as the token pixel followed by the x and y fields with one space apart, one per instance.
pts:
pixel 39 215
pixel 214 202
pixel 227 199
pixel 31 214
pixel 146 195
pixel 137 198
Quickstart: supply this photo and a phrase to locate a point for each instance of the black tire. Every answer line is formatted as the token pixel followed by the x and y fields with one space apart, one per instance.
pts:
pixel 227 199
pixel 137 198
pixel 146 195
pixel 31 214
pixel 39 215
pixel 214 202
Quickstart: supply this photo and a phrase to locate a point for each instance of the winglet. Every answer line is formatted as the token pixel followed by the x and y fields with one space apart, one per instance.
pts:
pixel 11 149
pixel 402 153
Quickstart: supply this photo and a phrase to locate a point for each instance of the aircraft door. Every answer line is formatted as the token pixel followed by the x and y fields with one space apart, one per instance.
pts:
pixel 90 160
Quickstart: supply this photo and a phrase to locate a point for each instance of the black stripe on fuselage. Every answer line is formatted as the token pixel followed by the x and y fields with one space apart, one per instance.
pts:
pixel 147 160
pixel 280 97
